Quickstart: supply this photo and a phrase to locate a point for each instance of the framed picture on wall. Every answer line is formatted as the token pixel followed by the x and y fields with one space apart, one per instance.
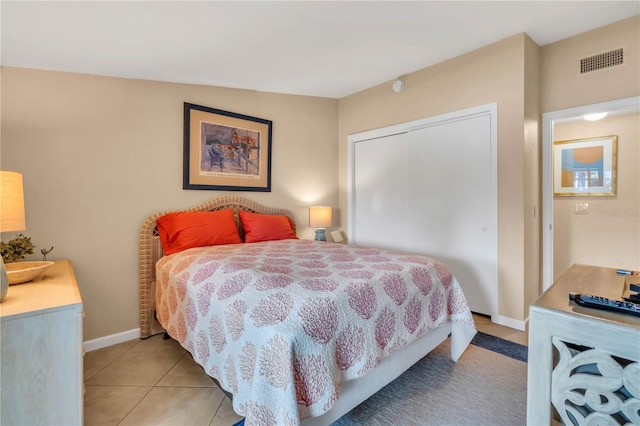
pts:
pixel 585 166
pixel 226 151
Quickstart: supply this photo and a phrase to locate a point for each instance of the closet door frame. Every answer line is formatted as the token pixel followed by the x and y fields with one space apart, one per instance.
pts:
pixel 488 109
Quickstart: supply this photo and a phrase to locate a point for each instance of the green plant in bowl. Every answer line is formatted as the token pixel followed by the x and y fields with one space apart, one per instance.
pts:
pixel 16 248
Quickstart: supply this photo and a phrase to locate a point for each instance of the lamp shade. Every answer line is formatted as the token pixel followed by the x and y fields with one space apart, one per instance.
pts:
pixel 319 216
pixel 11 202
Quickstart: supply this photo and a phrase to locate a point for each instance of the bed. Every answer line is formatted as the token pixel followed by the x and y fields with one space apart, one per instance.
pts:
pixel 296 331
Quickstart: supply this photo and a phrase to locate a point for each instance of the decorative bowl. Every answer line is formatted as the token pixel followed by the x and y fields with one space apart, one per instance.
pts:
pixel 21 272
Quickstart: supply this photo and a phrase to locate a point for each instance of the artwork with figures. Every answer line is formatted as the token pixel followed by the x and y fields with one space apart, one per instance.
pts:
pixel 226 151
pixel 229 150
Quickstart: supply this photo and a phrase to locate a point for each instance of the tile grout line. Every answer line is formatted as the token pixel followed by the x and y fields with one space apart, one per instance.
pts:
pixel 217 409
pixel 170 368
pixel 135 405
pixel 108 364
pixel 151 388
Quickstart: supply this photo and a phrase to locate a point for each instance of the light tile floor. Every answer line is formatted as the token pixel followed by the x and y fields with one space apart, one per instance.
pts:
pixel 156 382
pixel 151 382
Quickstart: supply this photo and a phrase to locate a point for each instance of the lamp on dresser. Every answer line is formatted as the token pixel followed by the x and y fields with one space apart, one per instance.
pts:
pixel 12 219
pixel 11 214
pixel 320 218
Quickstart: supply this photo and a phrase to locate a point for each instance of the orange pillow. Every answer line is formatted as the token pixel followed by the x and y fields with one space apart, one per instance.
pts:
pixel 266 227
pixel 182 230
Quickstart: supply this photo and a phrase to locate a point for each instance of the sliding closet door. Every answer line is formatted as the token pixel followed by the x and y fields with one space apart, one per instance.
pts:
pixel 433 190
pixel 382 191
pixel 453 211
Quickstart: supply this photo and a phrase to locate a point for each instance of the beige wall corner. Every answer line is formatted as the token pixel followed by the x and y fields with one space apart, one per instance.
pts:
pixel 531 170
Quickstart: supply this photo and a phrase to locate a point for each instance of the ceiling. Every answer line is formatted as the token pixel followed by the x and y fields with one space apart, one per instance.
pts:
pixel 326 48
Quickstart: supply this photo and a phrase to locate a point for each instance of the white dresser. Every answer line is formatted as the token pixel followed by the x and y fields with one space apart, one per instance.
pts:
pixel 41 379
pixel 583 363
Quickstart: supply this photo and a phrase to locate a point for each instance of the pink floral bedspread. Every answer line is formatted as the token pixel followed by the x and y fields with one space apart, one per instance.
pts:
pixel 281 324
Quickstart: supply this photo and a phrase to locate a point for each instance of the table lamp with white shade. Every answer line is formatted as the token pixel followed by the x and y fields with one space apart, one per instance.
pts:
pixel 11 214
pixel 12 219
pixel 320 218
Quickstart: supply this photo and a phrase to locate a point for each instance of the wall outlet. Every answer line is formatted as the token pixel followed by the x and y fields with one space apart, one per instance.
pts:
pixel 582 208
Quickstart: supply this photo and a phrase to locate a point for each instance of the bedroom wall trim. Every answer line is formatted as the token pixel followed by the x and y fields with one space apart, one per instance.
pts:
pixel 113 339
pixel 510 322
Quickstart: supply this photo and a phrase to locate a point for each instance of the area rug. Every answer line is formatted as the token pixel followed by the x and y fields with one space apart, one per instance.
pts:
pixel 487 386
pixel 501 346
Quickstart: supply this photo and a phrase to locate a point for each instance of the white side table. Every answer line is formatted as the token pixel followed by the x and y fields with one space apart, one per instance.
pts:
pixel 583 362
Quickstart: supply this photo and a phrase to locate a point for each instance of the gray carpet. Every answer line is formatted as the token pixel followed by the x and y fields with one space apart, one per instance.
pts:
pixel 482 388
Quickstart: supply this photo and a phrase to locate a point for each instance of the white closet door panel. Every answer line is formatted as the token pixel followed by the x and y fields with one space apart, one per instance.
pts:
pixel 382 191
pixel 430 187
pixel 452 207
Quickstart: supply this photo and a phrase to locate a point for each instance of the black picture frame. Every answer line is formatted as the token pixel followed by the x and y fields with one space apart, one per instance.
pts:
pixel 226 151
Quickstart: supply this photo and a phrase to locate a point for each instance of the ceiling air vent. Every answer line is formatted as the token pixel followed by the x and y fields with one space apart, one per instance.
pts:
pixel 602 60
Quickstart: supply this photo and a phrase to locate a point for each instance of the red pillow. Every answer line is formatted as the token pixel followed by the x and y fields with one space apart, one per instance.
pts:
pixel 182 230
pixel 266 227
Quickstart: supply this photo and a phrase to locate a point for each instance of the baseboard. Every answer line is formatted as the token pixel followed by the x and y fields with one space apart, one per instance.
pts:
pixel 510 322
pixel 113 339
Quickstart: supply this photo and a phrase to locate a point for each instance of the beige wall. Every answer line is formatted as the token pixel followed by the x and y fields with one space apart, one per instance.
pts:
pixel 100 154
pixel 495 73
pixel 562 86
pixel 609 235
pixel 531 168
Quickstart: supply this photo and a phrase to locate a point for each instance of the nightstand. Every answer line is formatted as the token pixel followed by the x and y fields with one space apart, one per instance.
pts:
pixel 41 350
